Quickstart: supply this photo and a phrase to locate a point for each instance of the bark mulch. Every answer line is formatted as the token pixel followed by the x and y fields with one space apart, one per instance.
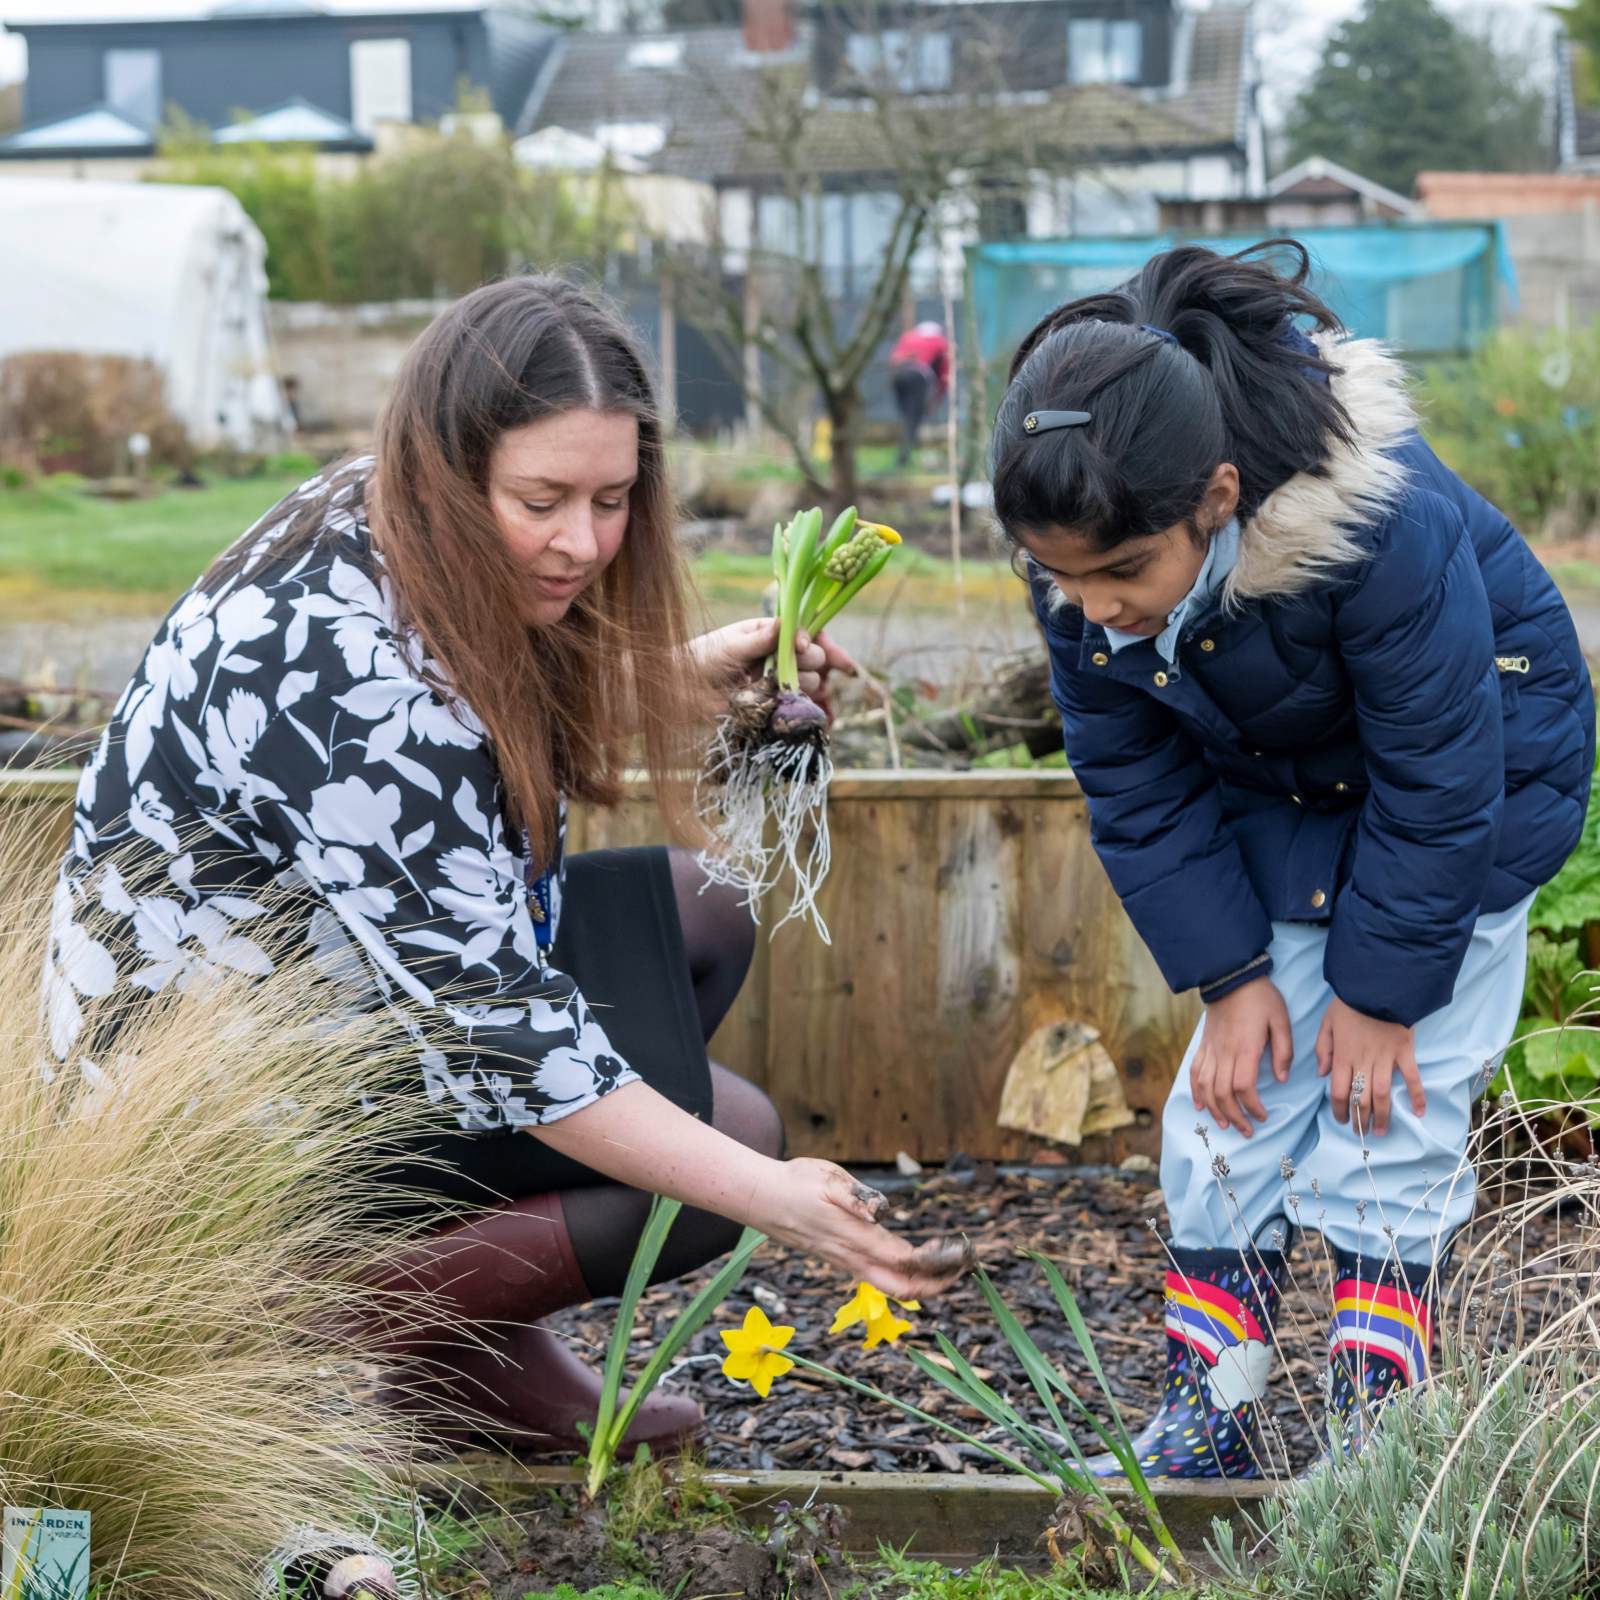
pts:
pixel 1095 1225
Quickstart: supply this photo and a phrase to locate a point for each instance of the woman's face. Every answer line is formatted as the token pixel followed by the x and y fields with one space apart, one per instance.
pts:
pixel 559 489
pixel 1137 584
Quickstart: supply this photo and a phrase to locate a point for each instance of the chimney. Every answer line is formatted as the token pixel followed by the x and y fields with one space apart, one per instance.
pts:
pixel 768 25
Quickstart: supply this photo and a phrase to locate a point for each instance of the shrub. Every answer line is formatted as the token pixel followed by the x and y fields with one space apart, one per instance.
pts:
pixel 1480 1483
pixel 437 216
pixel 62 410
pixel 1520 421
pixel 1478 1486
pixel 1558 1056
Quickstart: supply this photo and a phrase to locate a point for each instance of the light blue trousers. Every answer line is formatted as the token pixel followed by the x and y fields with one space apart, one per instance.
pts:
pixel 1415 1179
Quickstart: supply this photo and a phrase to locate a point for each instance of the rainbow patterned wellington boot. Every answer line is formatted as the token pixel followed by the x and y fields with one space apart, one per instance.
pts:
pixel 1220 1309
pixel 1379 1342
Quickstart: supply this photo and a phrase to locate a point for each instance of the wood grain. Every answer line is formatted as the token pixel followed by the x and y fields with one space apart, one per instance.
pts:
pixel 967 910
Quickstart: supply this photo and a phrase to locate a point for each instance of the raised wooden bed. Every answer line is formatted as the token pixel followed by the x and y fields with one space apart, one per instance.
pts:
pixel 957 1518
pixel 967 910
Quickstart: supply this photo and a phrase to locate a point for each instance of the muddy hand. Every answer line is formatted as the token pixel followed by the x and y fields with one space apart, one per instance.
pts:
pixel 820 1209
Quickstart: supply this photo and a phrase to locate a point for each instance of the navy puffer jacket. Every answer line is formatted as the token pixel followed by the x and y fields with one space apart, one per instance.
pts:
pixel 1385 723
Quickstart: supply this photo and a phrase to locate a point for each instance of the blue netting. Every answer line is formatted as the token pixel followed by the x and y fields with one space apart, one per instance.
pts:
pixel 1428 288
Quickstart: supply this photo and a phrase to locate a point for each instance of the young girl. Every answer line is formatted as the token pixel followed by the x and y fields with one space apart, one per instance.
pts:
pixel 1335 729
pixel 383 694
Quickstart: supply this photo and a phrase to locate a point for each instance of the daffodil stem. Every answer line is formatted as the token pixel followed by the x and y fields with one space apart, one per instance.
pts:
pixel 992 1451
pixel 1112 1519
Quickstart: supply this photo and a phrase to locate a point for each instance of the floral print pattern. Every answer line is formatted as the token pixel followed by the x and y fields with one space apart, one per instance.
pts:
pixel 282 730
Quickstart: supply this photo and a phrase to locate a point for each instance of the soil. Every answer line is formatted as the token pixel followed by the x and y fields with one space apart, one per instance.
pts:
pixel 557 1542
pixel 1095 1225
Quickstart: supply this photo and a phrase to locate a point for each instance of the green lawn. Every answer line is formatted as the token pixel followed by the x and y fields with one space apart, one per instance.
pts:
pixel 66 555
pixel 62 551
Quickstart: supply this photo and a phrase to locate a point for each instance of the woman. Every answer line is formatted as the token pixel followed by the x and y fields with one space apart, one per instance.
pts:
pixel 1335 730
pixel 384 693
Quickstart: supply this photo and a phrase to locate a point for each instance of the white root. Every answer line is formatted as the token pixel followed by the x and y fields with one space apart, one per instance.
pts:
pixel 744 786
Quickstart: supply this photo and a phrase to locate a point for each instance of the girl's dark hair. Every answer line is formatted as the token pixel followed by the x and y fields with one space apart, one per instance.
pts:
pixel 1236 382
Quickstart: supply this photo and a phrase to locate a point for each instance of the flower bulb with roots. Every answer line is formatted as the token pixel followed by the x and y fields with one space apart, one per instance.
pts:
pixel 769 763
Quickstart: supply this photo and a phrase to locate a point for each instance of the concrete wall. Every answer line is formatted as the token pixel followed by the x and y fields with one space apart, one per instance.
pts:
pixel 1558 267
pixel 343 358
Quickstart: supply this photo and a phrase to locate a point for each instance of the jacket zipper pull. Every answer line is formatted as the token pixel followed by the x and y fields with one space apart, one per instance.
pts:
pixel 1511 663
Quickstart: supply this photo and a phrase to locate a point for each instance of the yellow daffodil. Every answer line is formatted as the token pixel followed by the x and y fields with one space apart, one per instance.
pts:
pixel 753 1356
pixel 871 1307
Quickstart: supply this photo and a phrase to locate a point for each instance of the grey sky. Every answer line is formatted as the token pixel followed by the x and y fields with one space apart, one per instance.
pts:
pixel 1289 31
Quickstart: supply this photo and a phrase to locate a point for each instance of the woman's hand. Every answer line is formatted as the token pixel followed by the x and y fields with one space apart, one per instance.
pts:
pixel 1238 1030
pixel 819 1208
pixel 1352 1044
pixel 728 655
pixel 642 1139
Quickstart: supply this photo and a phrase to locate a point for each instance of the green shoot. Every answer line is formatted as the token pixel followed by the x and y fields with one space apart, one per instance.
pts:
pixel 614 1416
pixel 803 532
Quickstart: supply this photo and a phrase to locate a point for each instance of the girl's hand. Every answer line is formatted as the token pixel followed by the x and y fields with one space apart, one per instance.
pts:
pixel 820 1209
pixel 1353 1044
pixel 1238 1029
pixel 728 655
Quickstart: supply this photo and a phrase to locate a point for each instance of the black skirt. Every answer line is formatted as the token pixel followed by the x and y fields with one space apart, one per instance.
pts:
pixel 621 942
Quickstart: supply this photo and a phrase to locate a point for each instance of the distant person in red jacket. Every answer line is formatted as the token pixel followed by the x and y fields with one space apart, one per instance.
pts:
pixel 919 370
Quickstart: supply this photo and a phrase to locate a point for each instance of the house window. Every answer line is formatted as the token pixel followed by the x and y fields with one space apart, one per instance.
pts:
pixel 901 59
pixel 1099 51
pixel 380 82
pixel 133 84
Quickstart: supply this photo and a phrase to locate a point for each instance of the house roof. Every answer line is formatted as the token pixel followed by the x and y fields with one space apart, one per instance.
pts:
pixel 296 121
pixel 40 15
pixel 97 130
pixel 1317 175
pixel 268 8
pixel 697 92
pixel 101 131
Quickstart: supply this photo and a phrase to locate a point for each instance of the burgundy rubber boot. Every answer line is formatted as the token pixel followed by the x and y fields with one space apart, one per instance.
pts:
pixel 508 1384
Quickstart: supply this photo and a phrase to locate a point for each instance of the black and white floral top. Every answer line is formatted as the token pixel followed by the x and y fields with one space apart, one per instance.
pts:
pixel 287 724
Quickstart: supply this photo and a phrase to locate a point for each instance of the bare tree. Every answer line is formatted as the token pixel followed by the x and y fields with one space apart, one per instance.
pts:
pixel 912 108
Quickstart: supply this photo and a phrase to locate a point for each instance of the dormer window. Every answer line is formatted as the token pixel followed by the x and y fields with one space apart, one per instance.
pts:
pixel 1102 51
pixel 132 80
pixel 898 58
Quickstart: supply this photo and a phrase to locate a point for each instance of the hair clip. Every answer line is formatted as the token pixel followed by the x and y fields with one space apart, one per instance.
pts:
pixel 1044 421
pixel 1160 333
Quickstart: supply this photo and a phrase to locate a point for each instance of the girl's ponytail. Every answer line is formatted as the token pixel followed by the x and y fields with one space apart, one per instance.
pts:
pixel 1198 359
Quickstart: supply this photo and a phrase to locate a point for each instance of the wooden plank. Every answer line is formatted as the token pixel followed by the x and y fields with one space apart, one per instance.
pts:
pixel 967 909
pixel 957 1517
pixel 982 783
pixel 976 895
pixel 1085 962
pixel 842 1018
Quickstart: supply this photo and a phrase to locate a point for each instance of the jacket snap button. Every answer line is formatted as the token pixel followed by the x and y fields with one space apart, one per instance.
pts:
pixel 1208 644
pixel 1341 788
pixel 1319 899
pixel 1161 680
pixel 1100 658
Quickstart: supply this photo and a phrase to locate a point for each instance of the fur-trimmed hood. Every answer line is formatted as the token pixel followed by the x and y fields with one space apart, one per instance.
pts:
pixel 1301 531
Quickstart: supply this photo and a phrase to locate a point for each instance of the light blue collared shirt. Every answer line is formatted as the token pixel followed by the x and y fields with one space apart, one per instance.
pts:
pixel 1221 559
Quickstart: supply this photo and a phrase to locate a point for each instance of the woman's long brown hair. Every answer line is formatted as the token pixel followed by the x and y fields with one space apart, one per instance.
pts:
pixel 569 707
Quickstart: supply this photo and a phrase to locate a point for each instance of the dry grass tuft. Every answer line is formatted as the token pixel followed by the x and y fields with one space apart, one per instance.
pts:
pixel 181 1254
